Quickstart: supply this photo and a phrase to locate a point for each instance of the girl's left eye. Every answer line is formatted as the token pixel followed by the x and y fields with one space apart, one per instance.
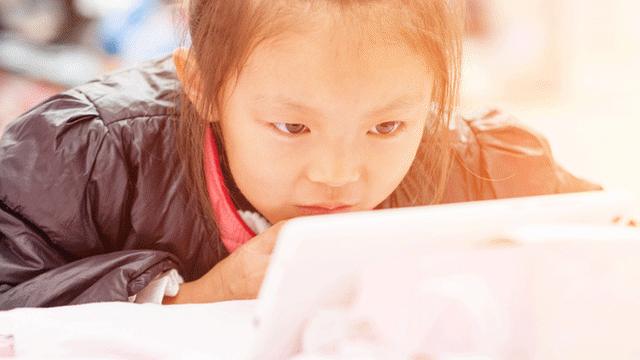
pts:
pixel 386 128
pixel 289 128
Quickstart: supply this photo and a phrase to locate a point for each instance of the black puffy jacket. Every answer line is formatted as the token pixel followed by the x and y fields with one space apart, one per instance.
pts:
pixel 94 205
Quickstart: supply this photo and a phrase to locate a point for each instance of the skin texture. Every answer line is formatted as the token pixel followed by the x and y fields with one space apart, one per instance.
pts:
pixel 345 154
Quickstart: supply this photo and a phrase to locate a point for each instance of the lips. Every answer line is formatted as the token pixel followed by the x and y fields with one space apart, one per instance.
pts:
pixel 321 209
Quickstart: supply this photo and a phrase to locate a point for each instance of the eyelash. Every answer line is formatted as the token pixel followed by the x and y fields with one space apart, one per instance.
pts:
pixel 283 124
pixel 281 127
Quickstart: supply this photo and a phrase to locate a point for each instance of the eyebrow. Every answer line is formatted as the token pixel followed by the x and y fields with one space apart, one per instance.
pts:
pixel 406 101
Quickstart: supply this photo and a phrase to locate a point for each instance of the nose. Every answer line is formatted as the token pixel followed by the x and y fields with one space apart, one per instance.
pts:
pixel 335 166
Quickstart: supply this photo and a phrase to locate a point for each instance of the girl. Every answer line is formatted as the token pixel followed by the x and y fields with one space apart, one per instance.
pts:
pixel 120 188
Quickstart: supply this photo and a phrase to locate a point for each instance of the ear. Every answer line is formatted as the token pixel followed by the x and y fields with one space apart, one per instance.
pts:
pixel 189 75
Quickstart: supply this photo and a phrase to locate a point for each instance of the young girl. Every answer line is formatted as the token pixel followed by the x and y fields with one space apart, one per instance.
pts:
pixel 121 188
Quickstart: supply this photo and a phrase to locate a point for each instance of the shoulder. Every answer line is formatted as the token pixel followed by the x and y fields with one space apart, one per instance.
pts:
pixel 112 114
pixel 95 169
pixel 103 122
pixel 138 97
pixel 495 156
pixel 77 161
pixel 146 90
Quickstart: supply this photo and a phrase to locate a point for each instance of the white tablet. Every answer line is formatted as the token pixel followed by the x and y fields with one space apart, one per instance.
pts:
pixel 316 255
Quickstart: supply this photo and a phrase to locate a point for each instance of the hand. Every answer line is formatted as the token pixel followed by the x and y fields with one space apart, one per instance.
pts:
pixel 238 276
pixel 244 270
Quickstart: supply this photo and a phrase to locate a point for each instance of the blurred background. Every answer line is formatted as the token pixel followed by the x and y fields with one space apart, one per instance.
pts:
pixel 47 46
pixel 566 68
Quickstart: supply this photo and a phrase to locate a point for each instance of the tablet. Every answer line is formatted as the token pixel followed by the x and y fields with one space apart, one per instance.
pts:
pixel 317 259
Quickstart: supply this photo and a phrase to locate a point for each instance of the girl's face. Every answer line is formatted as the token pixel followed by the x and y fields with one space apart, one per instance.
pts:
pixel 326 122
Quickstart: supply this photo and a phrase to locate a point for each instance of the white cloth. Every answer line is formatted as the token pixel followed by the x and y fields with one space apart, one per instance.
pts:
pixel 165 284
pixel 254 220
pixel 168 283
pixel 121 330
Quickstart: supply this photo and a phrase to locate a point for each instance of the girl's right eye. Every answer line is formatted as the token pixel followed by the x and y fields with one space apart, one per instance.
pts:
pixel 289 128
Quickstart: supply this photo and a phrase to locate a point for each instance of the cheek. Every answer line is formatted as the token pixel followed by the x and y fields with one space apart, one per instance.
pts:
pixel 261 168
pixel 389 167
pixel 389 164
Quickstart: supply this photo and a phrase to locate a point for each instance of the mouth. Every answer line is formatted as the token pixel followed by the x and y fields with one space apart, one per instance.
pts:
pixel 322 209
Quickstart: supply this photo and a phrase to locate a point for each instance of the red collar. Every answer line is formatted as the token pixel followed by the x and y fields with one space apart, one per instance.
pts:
pixel 233 230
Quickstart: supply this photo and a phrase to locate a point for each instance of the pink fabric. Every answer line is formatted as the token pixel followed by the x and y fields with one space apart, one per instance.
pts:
pixel 233 230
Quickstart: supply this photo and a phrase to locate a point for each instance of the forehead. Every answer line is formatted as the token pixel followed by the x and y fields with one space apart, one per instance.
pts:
pixel 352 60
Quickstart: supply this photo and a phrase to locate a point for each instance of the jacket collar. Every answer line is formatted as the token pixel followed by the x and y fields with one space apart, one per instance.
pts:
pixel 233 230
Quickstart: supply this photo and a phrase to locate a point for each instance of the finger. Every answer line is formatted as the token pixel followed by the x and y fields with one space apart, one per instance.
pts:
pixel 265 241
pixel 271 237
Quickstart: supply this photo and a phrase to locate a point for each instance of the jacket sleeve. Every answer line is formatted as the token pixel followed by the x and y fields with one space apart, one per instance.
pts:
pixel 64 211
pixel 497 157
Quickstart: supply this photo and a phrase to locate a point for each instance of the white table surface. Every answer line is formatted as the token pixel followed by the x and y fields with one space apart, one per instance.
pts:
pixel 115 330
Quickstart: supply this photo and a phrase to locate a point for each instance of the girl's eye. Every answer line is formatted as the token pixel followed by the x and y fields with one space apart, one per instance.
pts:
pixel 289 128
pixel 386 128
